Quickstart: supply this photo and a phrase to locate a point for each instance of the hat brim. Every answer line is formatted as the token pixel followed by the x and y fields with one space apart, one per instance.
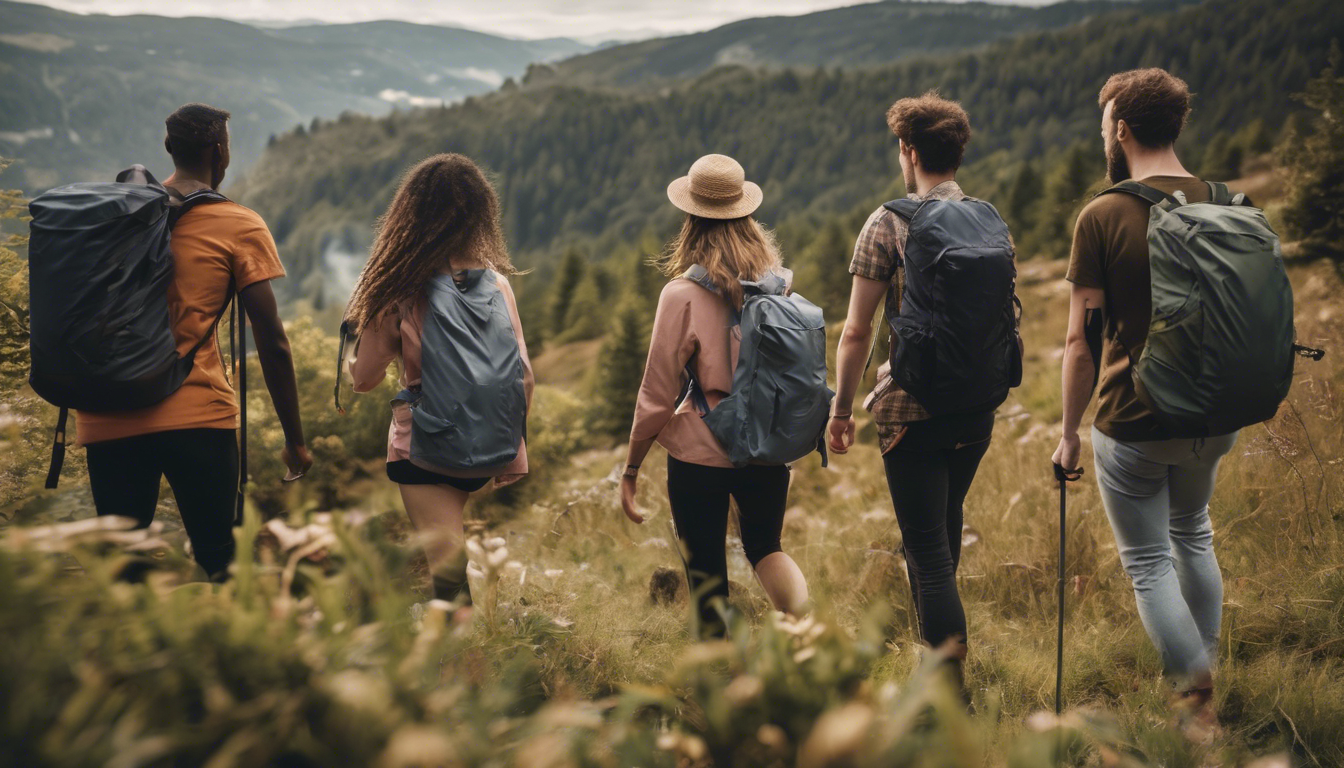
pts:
pixel 679 192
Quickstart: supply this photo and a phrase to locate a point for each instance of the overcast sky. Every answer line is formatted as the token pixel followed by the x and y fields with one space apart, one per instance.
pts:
pixel 590 20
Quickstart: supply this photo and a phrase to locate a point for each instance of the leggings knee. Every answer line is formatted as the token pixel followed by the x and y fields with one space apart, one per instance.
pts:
pixel 1147 570
pixel 757 551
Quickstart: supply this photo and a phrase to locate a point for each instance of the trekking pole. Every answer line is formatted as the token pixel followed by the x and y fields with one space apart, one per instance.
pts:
pixel 1063 476
pixel 241 362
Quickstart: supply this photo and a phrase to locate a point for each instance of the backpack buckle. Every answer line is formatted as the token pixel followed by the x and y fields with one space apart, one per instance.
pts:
pixel 1308 352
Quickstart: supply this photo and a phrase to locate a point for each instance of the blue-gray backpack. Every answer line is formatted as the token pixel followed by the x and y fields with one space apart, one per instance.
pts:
pixel 955 346
pixel 777 411
pixel 99 265
pixel 1220 347
pixel 469 413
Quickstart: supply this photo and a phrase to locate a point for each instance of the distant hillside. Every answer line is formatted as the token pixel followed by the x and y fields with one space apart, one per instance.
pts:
pixel 578 165
pixel 83 96
pixel 854 36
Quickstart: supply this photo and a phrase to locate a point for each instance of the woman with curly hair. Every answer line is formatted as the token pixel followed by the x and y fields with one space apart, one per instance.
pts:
pixel 434 297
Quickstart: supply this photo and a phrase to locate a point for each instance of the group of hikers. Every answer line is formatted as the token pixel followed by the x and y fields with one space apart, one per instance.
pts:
pixel 735 387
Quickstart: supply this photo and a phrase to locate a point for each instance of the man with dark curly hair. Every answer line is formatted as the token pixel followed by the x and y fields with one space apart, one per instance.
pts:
pixel 930 460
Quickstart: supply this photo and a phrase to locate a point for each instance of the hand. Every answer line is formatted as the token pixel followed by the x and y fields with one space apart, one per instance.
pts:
pixel 503 480
pixel 841 431
pixel 1066 455
pixel 628 485
pixel 297 460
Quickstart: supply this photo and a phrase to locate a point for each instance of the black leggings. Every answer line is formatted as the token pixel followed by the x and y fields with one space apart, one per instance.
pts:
pixel 699 498
pixel 202 468
pixel 929 472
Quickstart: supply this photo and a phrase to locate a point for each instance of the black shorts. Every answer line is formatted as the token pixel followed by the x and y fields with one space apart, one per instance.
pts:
pixel 405 473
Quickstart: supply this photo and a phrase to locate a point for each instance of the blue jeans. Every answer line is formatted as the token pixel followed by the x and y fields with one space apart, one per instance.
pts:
pixel 1157 495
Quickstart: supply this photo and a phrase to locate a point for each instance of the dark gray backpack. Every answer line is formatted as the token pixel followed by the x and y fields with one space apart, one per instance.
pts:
pixel 777 411
pixel 470 411
pixel 955 346
pixel 99 266
pixel 1219 354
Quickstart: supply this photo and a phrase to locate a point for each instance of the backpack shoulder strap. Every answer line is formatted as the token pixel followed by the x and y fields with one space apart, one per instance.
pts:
pixel 137 174
pixel 775 283
pixel 1144 192
pixel 1221 195
pixel 906 207
pixel 700 276
pixel 178 206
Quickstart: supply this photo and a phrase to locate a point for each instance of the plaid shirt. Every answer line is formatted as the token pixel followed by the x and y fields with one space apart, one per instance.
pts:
pixel 878 255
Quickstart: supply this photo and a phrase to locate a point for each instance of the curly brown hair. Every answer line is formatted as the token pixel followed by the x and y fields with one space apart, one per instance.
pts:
pixel 937 128
pixel 445 215
pixel 1153 102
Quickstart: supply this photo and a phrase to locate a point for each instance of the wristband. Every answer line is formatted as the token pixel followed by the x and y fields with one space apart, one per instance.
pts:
pixel 842 415
pixel 631 470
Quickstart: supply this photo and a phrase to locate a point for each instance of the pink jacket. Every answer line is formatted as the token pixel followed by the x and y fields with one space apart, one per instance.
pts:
pixel 397 337
pixel 692 326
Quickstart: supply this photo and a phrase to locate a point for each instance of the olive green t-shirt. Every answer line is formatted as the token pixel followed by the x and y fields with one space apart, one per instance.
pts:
pixel 1110 252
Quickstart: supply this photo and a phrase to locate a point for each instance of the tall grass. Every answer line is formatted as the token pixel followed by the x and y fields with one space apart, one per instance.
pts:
pixel 116 658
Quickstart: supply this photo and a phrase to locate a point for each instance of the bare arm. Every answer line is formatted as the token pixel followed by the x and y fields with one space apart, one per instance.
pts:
pixel 852 357
pixel 277 367
pixel 1082 363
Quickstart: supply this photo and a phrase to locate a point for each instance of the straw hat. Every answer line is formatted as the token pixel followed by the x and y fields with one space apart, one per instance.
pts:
pixel 716 188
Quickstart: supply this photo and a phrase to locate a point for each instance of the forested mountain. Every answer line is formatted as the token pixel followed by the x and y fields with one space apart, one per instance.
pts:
pixel 591 167
pixel 853 36
pixel 84 96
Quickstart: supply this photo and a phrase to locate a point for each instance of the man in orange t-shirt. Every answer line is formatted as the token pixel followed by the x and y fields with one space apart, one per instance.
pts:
pixel 218 249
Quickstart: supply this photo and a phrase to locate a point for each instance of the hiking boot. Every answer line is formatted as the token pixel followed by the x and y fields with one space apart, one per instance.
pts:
pixel 1194 716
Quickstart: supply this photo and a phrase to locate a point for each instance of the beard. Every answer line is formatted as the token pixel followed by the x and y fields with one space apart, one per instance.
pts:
pixel 1117 165
pixel 908 176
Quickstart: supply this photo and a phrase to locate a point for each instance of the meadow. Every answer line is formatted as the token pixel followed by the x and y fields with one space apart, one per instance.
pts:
pixel 322 650
pixel 313 654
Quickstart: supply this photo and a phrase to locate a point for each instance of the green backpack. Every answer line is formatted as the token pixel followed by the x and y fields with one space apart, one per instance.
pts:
pixel 1220 347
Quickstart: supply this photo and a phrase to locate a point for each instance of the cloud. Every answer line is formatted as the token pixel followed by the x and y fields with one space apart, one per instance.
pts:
pixel 587 19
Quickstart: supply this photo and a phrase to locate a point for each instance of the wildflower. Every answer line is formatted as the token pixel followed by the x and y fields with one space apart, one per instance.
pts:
pixel 773 737
pixel 690 747
pixel 804 633
pixel 743 690
pixel 837 737
pixel 487 557
pixel 416 745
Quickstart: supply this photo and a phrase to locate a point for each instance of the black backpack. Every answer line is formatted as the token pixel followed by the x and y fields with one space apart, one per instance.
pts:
pixel 955 343
pixel 99 265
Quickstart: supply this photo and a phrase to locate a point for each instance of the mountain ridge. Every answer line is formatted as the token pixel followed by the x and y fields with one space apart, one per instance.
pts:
pixel 578 165
pixel 75 89
pixel 841 36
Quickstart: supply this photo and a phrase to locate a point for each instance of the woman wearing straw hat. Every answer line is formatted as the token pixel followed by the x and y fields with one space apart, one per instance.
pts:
pixel 694 332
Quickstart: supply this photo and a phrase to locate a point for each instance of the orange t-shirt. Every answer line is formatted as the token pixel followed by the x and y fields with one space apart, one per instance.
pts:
pixel 213 245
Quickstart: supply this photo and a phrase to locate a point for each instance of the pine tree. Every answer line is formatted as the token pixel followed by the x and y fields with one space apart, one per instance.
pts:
pixel 1065 189
pixel 1255 138
pixel 826 269
pixel 13 293
pixel 1314 163
pixel 588 313
pixel 616 378
pixel 567 279
pixel 1222 158
pixel 1023 199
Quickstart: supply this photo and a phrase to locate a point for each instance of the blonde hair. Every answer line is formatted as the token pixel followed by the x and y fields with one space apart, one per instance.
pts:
pixel 729 249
